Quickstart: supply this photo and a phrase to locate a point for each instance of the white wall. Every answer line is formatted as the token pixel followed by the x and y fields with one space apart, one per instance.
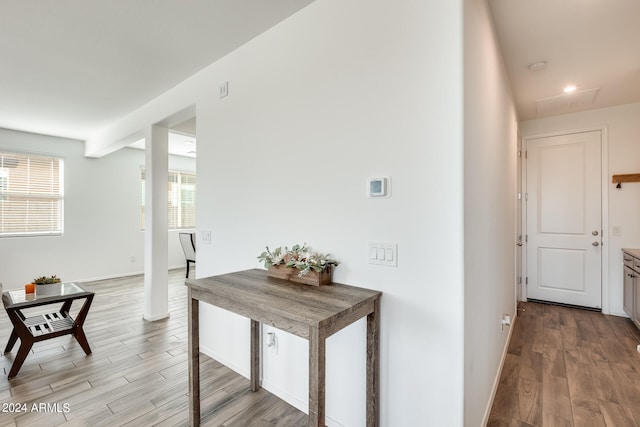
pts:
pixel 101 216
pixel 623 133
pixel 342 91
pixel 490 197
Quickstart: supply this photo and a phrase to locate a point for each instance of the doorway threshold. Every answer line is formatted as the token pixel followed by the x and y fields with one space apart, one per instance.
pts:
pixel 561 304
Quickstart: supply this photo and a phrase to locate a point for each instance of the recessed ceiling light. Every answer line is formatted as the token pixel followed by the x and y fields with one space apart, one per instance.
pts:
pixel 536 66
pixel 570 88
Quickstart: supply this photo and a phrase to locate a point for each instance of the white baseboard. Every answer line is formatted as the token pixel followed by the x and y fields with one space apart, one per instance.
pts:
pixel 286 396
pixel 110 276
pixel 271 388
pixel 228 363
pixel 296 402
pixel 496 381
pixel 156 317
pixel 118 276
pixel 619 314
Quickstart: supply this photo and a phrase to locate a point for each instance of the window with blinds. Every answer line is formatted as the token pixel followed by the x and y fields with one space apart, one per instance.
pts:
pixel 31 195
pixel 181 200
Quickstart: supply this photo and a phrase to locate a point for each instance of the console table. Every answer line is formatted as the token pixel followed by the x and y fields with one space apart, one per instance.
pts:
pixel 310 312
pixel 45 326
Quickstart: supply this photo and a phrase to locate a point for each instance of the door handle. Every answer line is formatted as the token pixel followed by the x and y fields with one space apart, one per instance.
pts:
pixel 596 243
pixel 595 233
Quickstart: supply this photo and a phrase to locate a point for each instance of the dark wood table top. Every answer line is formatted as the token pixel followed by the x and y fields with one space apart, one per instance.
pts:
pixel 293 307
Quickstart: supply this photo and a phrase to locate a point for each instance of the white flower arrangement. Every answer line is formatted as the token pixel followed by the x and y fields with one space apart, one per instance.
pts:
pixel 300 257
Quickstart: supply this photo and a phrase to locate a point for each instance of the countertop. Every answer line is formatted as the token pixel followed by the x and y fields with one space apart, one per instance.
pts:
pixel 633 252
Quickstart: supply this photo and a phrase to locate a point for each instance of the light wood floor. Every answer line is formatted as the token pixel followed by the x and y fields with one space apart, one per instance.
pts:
pixel 569 367
pixel 136 376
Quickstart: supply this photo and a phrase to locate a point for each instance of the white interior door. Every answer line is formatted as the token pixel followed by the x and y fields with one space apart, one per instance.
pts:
pixel 564 219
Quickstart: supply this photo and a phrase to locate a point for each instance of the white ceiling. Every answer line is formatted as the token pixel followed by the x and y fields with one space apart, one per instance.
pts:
pixel 72 67
pixel 593 44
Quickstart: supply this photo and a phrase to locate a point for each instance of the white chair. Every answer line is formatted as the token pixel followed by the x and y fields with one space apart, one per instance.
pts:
pixel 188 242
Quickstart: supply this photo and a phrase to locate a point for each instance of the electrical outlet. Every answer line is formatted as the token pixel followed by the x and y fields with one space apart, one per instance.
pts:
pixel 506 321
pixel 272 342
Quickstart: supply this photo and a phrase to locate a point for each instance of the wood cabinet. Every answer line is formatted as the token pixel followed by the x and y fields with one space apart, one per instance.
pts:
pixel 636 315
pixel 629 292
pixel 631 284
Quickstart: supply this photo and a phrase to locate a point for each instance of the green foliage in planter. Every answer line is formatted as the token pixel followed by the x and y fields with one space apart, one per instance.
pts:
pixel 299 256
pixel 44 280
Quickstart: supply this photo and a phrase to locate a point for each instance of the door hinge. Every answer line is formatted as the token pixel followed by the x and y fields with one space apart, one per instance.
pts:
pixel 526 196
pixel 526 238
pixel 526 153
pixel 519 153
pixel 526 280
pixel 519 280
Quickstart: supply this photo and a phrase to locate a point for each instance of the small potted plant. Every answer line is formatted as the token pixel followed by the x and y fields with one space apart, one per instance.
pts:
pixel 47 285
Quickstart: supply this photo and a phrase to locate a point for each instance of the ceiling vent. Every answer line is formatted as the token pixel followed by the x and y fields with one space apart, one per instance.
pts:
pixel 566 102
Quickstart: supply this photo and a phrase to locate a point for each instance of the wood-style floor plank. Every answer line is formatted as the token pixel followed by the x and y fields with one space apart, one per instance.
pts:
pixel 137 374
pixel 569 367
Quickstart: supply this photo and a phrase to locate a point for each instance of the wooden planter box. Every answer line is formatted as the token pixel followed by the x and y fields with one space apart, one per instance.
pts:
pixel 313 278
pixel 280 272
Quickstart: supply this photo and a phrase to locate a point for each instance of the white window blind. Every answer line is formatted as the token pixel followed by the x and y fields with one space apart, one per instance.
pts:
pixel 181 200
pixel 31 195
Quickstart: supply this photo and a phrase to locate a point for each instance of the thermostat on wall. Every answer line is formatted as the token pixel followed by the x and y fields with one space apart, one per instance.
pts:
pixel 379 187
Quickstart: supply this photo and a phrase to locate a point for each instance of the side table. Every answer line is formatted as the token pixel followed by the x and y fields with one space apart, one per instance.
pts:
pixel 311 312
pixel 44 326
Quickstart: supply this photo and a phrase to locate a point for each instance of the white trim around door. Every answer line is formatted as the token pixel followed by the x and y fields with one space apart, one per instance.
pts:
pixel 604 182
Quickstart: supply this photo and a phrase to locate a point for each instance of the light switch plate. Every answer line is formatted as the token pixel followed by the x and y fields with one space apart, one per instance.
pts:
pixel 224 89
pixel 381 253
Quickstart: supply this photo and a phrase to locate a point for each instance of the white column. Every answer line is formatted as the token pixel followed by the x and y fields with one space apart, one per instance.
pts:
pixel 156 258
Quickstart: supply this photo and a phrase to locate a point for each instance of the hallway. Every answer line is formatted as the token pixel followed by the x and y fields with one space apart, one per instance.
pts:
pixel 569 367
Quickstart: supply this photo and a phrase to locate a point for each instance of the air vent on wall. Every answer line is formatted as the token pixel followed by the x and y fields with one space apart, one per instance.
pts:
pixel 566 102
